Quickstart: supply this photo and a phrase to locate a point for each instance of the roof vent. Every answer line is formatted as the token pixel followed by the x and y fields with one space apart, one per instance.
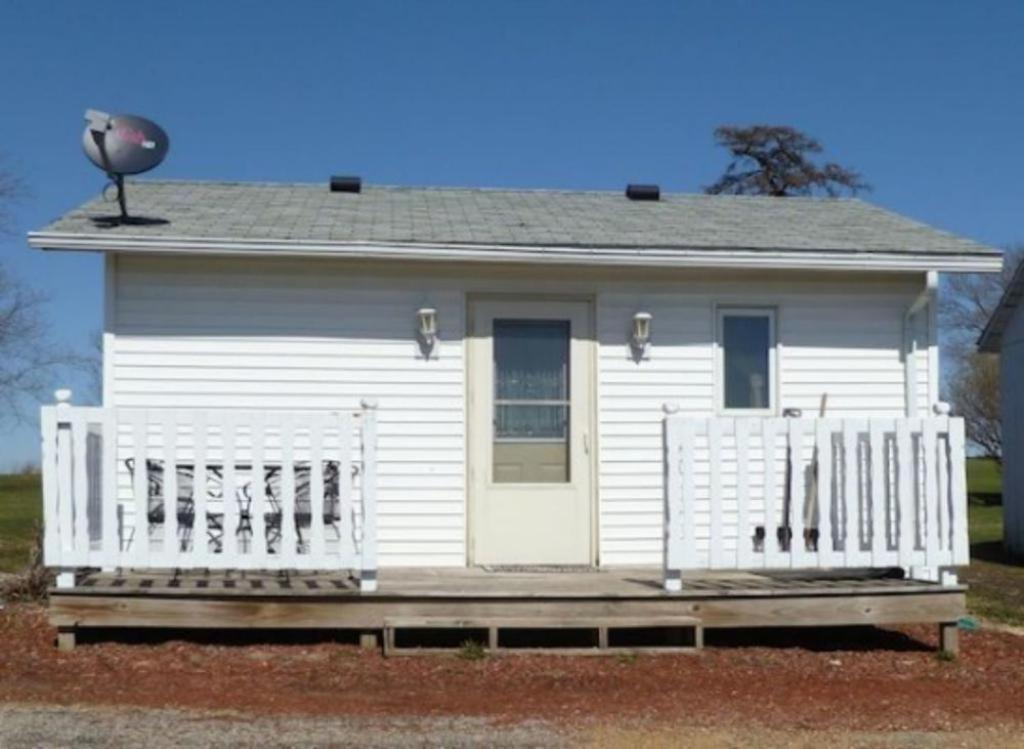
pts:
pixel 346 184
pixel 643 192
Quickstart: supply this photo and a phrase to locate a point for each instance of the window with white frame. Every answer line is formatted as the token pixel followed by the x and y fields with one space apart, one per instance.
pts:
pixel 746 346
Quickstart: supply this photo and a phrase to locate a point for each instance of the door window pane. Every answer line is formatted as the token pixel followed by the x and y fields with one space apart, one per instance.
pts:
pixel 531 360
pixel 531 401
pixel 746 347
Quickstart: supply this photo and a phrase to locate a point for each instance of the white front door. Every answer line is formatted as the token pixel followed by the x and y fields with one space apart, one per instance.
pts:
pixel 530 432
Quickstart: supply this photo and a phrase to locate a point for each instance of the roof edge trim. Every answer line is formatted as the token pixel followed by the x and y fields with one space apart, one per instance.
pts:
pixel 617 256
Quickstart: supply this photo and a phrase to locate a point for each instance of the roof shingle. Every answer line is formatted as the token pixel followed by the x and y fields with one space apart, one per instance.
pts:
pixel 549 218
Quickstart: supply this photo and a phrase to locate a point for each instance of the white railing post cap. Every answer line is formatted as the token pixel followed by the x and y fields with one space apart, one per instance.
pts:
pixel 670 408
pixel 941 408
pixel 62 396
pixel 368 403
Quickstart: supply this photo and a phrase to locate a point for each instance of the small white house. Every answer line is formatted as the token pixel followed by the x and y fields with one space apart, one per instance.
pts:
pixel 1004 335
pixel 507 379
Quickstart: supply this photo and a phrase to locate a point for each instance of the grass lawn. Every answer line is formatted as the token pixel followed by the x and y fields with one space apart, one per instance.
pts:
pixel 20 507
pixel 996 585
pixel 984 480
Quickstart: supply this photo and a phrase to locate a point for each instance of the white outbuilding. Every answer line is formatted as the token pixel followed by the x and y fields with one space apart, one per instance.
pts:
pixel 407 407
pixel 1004 335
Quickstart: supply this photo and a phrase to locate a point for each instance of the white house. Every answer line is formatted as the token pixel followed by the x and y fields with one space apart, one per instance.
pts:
pixel 1004 335
pixel 569 379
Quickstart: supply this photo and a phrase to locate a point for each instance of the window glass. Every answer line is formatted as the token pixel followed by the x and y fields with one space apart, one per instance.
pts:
pixel 531 359
pixel 531 401
pixel 746 347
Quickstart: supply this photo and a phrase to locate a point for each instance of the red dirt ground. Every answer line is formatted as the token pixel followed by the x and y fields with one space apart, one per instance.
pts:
pixel 861 679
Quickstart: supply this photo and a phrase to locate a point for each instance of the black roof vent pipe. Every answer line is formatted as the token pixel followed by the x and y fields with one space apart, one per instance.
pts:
pixel 643 192
pixel 346 184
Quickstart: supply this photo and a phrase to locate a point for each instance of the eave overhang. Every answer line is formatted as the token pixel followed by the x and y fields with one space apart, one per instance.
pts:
pixel 649 257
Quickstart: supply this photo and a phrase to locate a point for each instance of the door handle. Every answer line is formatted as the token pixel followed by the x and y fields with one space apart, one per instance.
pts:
pixel 586 443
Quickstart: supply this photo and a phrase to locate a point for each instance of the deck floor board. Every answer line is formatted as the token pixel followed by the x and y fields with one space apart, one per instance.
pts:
pixel 632 583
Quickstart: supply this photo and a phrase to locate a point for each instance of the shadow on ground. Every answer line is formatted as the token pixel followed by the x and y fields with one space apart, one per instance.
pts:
pixel 817 639
pixel 993 551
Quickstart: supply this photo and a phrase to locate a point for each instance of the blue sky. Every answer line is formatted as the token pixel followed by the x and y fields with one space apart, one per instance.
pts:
pixel 924 98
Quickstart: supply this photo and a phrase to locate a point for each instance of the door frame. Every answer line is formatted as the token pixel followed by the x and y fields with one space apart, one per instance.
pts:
pixel 591 348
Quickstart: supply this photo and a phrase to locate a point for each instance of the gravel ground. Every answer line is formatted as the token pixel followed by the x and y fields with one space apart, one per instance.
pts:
pixel 25 726
pixel 35 727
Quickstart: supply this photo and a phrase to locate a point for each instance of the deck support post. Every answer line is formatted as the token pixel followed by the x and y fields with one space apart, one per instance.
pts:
pixel 673 531
pixel 65 504
pixel 928 574
pixel 368 640
pixel 65 639
pixel 949 641
pixel 368 552
pixel 66 578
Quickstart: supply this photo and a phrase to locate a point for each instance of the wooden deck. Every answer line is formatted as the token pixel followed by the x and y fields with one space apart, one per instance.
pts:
pixel 323 600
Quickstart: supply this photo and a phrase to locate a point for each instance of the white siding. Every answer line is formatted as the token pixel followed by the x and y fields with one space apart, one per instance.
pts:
pixel 833 338
pixel 1012 364
pixel 251 335
pixel 322 334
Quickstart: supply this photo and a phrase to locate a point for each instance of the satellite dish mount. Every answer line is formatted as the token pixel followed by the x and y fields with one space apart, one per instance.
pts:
pixel 123 144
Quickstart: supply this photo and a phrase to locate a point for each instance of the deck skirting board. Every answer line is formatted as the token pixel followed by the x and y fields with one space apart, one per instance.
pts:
pixel 370 612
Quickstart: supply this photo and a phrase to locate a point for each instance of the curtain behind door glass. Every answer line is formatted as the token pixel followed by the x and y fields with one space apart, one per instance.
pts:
pixel 531 360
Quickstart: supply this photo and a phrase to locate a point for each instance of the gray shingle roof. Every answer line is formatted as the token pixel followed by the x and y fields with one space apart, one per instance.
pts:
pixel 549 218
pixel 991 340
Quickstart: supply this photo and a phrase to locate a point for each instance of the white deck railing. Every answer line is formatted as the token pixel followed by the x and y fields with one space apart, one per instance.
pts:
pixel 747 493
pixel 209 489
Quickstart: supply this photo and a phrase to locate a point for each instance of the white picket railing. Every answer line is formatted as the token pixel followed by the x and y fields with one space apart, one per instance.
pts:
pixel 750 493
pixel 209 489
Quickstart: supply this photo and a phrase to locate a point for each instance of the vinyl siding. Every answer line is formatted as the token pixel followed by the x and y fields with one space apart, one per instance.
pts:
pixel 322 335
pixel 1012 364
pixel 234 334
pixel 842 341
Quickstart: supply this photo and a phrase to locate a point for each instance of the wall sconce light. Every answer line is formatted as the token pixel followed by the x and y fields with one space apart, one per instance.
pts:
pixel 426 328
pixel 641 337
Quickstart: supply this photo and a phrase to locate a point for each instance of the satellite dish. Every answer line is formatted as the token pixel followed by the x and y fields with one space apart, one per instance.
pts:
pixel 123 144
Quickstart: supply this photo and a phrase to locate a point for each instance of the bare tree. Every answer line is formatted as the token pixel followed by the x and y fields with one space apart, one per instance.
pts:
pixel 92 363
pixel 968 301
pixel 966 305
pixel 974 394
pixel 12 189
pixel 28 358
pixel 775 160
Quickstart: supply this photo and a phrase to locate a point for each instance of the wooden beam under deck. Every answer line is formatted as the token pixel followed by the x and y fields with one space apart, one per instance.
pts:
pixel 332 601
